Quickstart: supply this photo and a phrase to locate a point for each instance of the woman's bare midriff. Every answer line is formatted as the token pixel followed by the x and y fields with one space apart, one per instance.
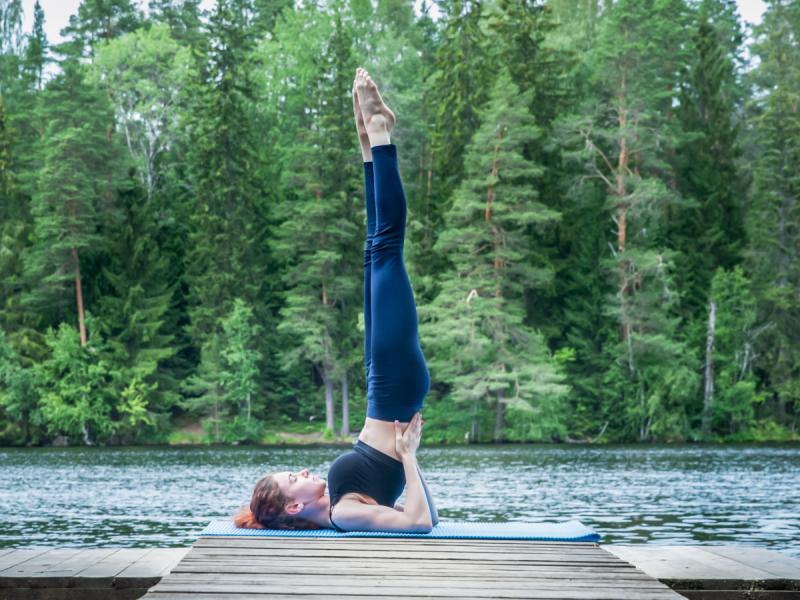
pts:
pixel 380 435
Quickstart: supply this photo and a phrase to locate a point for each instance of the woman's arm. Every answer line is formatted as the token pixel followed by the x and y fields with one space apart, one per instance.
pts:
pixel 415 516
pixel 416 507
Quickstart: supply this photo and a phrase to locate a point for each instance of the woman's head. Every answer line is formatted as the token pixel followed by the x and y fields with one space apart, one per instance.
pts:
pixel 279 499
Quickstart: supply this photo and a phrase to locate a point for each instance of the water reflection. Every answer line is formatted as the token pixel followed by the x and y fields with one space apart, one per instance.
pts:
pixel 656 494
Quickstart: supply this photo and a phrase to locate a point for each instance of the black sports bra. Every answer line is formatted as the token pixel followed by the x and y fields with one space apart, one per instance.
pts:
pixel 368 471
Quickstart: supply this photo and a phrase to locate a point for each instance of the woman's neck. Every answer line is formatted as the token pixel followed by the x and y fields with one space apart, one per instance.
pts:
pixel 318 512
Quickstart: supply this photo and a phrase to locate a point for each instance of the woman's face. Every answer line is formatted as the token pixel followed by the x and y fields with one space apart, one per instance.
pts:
pixel 301 486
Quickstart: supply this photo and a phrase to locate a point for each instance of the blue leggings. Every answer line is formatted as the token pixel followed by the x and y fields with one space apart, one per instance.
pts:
pixel 397 374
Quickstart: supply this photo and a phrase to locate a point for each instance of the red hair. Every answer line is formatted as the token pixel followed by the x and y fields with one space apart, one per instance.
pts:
pixel 267 509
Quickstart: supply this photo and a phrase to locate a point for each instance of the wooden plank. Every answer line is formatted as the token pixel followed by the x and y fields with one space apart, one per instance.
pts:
pixel 281 567
pixel 156 563
pixel 286 552
pixel 410 590
pixel 440 565
pixel 331 581
pixel 41 563
pixel 114 563
pixel 71 594
pixel 685 562
pixel 12 559
pixel 776 564
pixel 474 571
pixel 405 547
pixel 77 563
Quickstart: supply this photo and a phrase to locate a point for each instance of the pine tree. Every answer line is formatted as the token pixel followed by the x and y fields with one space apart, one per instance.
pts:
pixel 267 12
pixel 182 17
pixel 11 39
pixel 625 131
pixel 524 33
pixel 133 314
pixel 475 326
pixel 523 30
pixel 204 391
pixel 321 211
pixel 583 287
pixel 67 207
pixel 458 87
pixel 710 232
pixel 36 51
pixel 226 256
pixel 773 253
pixel 98 21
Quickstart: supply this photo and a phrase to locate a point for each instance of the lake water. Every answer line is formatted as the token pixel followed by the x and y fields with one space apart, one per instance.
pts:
pixel 144 496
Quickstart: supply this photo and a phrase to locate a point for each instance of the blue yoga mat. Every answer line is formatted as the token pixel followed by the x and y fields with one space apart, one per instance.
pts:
pixel 567 531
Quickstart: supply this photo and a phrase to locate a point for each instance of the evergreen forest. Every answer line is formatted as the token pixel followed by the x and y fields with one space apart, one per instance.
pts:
pixel 603 229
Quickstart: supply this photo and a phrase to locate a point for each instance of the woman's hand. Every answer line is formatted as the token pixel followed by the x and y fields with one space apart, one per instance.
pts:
pixel 406 441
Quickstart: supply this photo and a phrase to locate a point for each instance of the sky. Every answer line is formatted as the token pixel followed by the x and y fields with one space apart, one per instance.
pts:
pixel 57 12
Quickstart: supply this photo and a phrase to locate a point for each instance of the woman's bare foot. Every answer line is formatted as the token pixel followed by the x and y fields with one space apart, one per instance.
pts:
pixel 363 138
pixel 379 120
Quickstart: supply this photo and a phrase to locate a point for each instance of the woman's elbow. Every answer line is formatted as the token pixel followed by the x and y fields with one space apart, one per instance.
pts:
pixel 424 526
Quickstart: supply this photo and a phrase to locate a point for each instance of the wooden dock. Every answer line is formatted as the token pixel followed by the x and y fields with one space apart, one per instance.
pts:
pixel 717 572
pixel 383 568
pixel 415 568
pixel 83 574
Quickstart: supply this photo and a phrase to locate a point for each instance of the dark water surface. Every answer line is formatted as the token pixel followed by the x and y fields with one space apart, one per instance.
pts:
pixel 144 496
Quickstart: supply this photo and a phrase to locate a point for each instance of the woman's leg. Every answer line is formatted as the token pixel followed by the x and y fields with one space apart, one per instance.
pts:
pixel 369 195
pixel 398 377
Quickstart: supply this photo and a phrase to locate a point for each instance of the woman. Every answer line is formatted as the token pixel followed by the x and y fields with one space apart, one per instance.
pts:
pixel 366 481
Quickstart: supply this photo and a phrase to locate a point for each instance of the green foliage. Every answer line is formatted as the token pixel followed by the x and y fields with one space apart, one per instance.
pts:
pixel 18 398
pixel 240 376
pixel 774 251
pixel 734 342
pixel 36 50
pixel 143 73
pixel 475 327
pixel 584 181
pixel 98 21
pixel 72 384
pixel 226 381
pixel 77 161
pixel 227 247
pixel 710 231
pixel 134 313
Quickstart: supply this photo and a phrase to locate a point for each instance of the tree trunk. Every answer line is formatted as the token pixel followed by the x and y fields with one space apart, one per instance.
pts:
pixel 249 406
pixel 622 205
pixel 216 416
pixel 328 402
pixel 79 297
pixel 473 436
pixel 708 395
pixel 345 406
pixel 499 416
